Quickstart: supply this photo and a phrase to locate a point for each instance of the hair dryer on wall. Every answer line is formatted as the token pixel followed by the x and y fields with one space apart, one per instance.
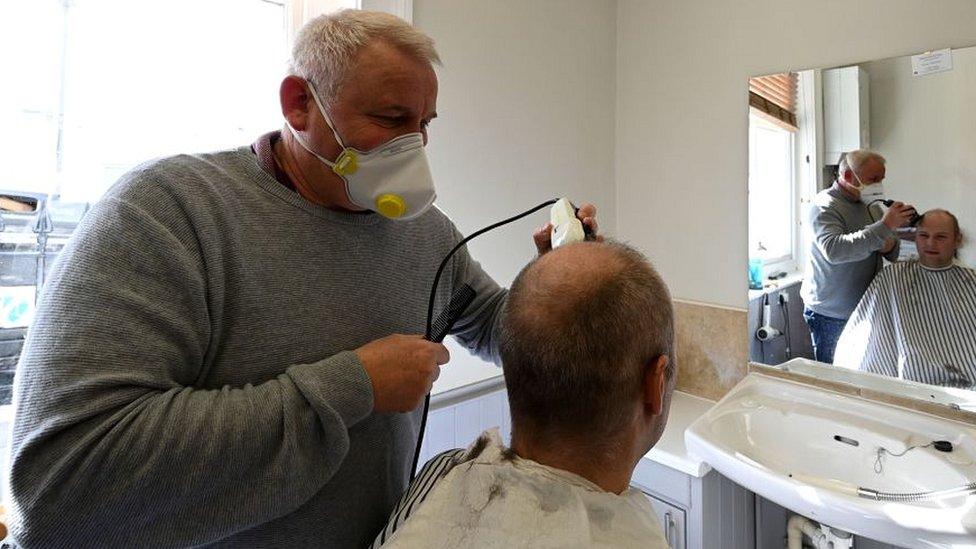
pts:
pixel 766 331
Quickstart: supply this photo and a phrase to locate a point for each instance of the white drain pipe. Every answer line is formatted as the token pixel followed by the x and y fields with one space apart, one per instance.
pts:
pixel 797 526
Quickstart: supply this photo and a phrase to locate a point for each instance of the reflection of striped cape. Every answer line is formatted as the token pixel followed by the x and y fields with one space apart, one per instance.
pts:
pixel 915 323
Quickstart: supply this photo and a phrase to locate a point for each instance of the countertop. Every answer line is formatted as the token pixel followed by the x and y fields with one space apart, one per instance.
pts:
pixel 790 279
pixel 670 451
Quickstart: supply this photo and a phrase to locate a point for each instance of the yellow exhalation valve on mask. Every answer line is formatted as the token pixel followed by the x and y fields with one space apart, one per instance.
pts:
pixel 390 206
pixel 566 227
pixel 347 163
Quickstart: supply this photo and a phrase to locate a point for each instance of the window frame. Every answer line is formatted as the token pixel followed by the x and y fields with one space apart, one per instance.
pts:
pixel 787 262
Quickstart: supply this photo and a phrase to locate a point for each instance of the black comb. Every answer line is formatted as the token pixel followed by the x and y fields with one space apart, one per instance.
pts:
pixel 460 299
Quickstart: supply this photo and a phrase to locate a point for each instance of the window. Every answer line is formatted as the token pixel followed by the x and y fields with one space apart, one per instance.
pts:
pixel 94 87
pixel 771 194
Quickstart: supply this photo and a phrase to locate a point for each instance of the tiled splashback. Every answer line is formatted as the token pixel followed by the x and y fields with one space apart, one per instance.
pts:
pixel 713 349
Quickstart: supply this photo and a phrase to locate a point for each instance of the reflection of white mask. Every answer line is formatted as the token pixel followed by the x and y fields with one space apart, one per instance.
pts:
pixel 869 193
pixel 392 179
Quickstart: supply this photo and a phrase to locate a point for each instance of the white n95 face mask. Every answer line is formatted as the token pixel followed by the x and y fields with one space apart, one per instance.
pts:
pixel 869 193
pixel 393 179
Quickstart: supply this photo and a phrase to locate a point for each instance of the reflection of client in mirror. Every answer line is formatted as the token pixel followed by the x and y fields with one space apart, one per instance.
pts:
pixel 848 242
pixel 917 320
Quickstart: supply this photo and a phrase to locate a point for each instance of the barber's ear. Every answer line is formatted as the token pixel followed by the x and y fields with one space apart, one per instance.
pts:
pixel 655 384
pixel 295 100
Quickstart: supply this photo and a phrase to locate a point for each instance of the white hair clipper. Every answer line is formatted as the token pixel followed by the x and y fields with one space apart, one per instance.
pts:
pixel 566 227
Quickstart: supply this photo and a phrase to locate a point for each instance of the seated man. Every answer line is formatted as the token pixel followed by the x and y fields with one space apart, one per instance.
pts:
pixel 917 320
pixel 587 350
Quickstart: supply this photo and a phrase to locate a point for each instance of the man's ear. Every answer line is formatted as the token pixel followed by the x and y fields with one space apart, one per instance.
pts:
pixel 655 384
pixel 847 175
pixel 295 100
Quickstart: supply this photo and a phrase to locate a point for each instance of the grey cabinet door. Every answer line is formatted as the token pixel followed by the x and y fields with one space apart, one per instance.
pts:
pixel 672 522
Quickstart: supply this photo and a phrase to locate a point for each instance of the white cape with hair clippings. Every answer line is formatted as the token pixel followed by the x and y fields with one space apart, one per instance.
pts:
pixel 915 323
pixel 487 497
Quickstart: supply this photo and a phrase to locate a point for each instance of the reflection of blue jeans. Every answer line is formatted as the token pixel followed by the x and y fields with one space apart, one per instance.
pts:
pixel 825 331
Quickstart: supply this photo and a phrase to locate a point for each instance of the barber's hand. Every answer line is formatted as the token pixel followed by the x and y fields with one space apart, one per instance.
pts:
pixel 898 215
pixel 402 369
pixel 543 235
pixel 888 245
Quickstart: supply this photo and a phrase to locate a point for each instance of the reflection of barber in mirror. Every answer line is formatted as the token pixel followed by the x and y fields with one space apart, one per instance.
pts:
pixel 848 243
pixel 917 320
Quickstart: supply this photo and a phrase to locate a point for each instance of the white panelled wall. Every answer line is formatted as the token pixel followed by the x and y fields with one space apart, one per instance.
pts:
pixel 456 422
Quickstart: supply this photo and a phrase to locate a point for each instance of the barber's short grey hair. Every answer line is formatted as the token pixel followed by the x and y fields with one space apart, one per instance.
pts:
pixel 853 160
pixel 325 46
pixel 574 356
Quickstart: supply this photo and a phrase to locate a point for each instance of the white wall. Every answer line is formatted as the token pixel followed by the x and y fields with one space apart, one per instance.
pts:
pixel 526 113
pixel 682 70
pixel 926 129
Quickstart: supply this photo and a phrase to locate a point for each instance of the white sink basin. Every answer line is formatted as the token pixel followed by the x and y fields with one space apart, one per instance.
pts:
pixel 777 438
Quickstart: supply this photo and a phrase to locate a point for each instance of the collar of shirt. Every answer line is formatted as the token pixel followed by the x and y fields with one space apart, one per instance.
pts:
pixel 263 147
pixel 837 191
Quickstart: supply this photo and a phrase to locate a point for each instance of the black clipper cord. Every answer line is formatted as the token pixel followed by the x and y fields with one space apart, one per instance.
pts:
pixel 460 300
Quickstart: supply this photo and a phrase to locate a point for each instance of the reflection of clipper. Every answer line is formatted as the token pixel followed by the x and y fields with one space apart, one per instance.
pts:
pixel 566 227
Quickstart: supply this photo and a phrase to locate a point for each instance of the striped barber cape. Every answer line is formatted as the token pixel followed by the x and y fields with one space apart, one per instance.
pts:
pixel 915 323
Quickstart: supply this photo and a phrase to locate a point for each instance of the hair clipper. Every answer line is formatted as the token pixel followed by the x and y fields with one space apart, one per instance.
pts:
pixel 566 226
pixel 916 217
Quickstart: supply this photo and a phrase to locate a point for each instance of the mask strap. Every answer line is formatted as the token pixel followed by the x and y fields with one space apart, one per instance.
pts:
pixel 301 141
pixel 328 122
pixel 325 114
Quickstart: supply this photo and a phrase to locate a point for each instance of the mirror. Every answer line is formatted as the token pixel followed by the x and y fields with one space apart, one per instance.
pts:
pixel 837 271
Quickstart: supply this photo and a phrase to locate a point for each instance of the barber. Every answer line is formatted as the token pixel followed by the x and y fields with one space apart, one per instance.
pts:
pixel 850 238
pixel 226 353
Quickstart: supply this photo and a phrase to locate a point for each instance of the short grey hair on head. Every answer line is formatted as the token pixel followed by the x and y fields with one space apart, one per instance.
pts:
pixel 325 46
pixel 853 160
pixel 574 355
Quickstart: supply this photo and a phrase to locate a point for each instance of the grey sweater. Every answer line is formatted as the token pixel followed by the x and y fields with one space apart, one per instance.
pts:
pixel 189 378
pixel 844 253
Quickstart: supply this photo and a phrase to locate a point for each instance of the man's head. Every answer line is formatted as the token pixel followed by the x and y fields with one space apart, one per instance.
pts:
pixel 588 350
pixel 937 238
pixel 859 169
pixel 374 75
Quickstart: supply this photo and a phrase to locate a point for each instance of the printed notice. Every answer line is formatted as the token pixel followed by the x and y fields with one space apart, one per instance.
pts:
pixel 932 62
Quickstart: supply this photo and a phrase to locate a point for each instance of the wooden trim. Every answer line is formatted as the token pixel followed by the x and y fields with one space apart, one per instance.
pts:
pixel 772 112
pixel 775 95
pixel 11 204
